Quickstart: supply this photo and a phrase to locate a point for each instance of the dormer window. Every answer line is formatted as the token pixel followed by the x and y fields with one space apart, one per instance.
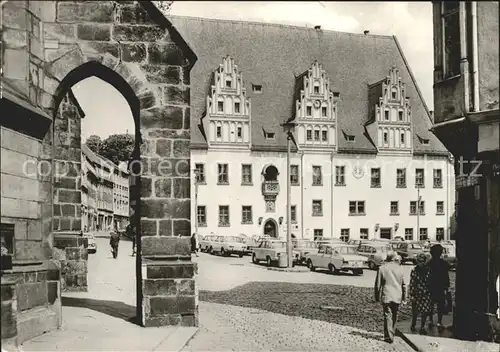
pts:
pixel 219 132
pixel 425 141
pixel 336 94
pixel 228 83
pixel 386 115
pixel 269 135
pixel 386 137
pixel 400 116
pixel 240 132
pixel 308 110
pixel 257 88
pixel 323 111
pixel 316 89
pixel 237 108
pixel 350 138
pixel 393 94
pixel 220 106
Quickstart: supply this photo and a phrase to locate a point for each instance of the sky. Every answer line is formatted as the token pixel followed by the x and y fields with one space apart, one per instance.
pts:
pixel 411 22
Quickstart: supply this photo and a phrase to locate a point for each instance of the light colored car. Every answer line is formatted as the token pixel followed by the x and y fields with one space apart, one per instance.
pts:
pixel 302 248
pixel 408 251
pixel 376 252
pixel 269 251
pixel 337 258
pixel 206 244
pixel 92 247
pixel 354 242
pixel 249 243
pixel 228 245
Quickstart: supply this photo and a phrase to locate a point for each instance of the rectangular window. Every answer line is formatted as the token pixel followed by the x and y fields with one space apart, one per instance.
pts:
pixel 202 215
pixel 438 178
pixel 223 215
pixel 357 207
pixel 408 234
pixel 401 178
pixel 423 234
pixel 318 234
pixel 309 135
pixel 439 207
pixel 246 174
pixel 308 110
pixel 228 83
pixel 237 108
pixel 200 173
pixel 220 106
pixel 257 88
pixel 402 138
pixel 317 176
pixel 386 138
pixel 363 234
pixel 394 208
pixel 413 208
pixel 317 206
pixel 316 89
pixel 246 214
pixel 375 177
pixel 439 233
pixel 451 37
pixel 324 136
pixel 340 175
pixel 386 115
pixel 316 135
pixel 393 94
pixel 294 175
pixel 344 235
pixel 400 116
pixel 223 174
pixel 422 208
pixel 323 111
pixel 240 132
pixel 293 213
pixel 219 132
pixel 419 178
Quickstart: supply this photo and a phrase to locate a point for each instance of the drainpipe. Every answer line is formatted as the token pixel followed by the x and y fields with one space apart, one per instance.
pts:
pixel 475 57
pixel 302 194
pixel 448 234
pixel 332 183
pixel 463 53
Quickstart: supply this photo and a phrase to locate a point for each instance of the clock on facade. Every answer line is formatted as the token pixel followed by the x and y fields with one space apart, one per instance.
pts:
pixel 317 104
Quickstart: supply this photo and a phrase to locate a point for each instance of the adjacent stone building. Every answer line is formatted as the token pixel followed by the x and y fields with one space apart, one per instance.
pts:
pixel 47 47
pixel 363 154
pixel 466 101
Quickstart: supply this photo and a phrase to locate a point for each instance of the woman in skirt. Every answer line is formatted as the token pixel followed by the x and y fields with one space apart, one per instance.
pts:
pixel 419 293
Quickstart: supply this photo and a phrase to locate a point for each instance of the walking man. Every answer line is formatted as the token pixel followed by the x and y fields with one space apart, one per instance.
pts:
pixel 439 284
pixel 114 241
pixel 390 289
pixel 194 245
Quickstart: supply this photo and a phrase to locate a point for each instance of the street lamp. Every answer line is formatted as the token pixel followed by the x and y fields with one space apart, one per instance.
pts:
pixel 288 128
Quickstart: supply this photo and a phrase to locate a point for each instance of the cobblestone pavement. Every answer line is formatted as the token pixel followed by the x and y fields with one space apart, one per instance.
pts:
pixel 230 328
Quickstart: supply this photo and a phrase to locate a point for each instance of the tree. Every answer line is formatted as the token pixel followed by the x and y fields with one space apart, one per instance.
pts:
pixel 118 147
pixel 164 6
pixel 94 143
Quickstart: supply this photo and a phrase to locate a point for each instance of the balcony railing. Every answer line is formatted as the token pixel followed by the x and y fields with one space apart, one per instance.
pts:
pixel 270 188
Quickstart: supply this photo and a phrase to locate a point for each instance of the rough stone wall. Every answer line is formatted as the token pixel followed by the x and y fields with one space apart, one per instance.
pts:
pixel 9 316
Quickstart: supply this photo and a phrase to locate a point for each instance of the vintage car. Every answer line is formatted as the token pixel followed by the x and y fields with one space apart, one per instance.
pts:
pixel 206 244
pixel 249 243
pixel 337 258
pixel 228 245
pixel 408 251
pixel 270 251
pixel 302 247
pixel 376 252
pixel 92 247
pixel 354 242
pixel 326 241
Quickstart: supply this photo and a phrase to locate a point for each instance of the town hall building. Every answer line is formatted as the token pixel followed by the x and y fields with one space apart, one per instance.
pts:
pixel 363 163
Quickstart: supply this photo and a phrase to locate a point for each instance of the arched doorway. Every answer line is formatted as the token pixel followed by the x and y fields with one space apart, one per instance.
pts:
pixel 270 228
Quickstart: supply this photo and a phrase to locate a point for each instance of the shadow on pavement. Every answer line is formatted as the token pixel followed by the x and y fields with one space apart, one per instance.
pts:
pixel 112 308
pixel 368 335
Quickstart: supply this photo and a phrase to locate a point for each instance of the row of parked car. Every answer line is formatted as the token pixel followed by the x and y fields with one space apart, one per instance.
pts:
pixel 332 254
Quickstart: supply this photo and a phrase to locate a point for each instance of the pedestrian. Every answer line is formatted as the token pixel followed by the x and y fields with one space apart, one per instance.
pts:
pixel 131 234
pixel 194 247
pixel 420 295
pixel 114 242
pixel 439 284
pixel 390 289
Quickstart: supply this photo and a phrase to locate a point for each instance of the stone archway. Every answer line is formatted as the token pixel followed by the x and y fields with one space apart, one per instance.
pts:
pixel 136 49
pixel 270 228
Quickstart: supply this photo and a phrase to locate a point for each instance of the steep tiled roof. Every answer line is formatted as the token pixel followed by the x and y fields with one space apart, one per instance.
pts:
pixel 274 55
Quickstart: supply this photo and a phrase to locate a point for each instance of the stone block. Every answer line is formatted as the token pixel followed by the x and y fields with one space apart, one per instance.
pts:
pixel 177 270
pixel 170 134
pixel 34 230
pixel 165 228
pixel 34 323
pixel 163 188
pixel 171 305
pixel 13 16
pixel 165 246
pixel 162 74
pixel 159 287
pixel 166 167
pixel 169 117
pixel 9 321
pixel 134 14
pixel 140 33
pixel 63 241
pixel 148 99
pixel 30 277
pixel 15 64
pixel 8 292
pixel 149 227
pixel 174 95
pixel 31 295
pixel 133 52
pixel 41 276
pixel 99 49
pixel 181 227
pixel 146 187
pixel 186 76
pixel 71 268
pixel 181 148
pixel 60 32
pixel 29 250
pixel 164 147
pixel 182 188
pixel 186 287
pixel 187 118
pixel 65 224
pixel 67 196
pixel 165 208
pixel 68 209
pixel 52 291
pixel 189 320
pixel 101 11
pixel 76 253
pixel 94 31
pixel 165 54
pixel 164 320
pixel 14 38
